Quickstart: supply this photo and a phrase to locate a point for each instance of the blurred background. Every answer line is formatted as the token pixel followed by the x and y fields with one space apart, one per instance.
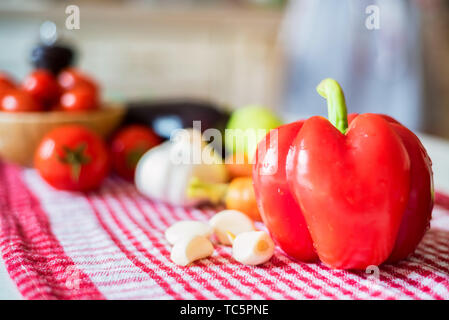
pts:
pixel 239 52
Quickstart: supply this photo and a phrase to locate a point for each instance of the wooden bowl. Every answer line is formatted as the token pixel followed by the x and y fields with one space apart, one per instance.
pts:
pixel 20 133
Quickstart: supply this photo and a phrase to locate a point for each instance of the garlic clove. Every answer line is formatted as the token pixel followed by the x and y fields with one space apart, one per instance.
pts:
pixel 187 228
pixel 253 248
pixel 232 221
pixel 191 248
pixel 231 237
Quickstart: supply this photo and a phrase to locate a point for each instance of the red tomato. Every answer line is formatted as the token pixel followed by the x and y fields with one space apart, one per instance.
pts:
pixel 6 81
pixel 79 98
pixel 128 145
pixel 6 84
pixel 16 100
pixel 72 158
pixel 43 87
pixel 71 78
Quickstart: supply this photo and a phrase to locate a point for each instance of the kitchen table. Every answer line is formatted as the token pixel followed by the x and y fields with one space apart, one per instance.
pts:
pixel 438 150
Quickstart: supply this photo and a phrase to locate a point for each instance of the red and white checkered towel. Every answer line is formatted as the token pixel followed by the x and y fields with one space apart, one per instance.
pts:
pixel 110 245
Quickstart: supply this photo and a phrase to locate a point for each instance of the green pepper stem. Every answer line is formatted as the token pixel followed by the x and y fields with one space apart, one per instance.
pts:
pixel 336 105
pixel 213 192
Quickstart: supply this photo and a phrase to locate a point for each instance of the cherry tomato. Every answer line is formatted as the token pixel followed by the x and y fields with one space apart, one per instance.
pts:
pixel 238 165
pixel 6 81
pixel 16 100
pixel 240 196
pixel 72 157
pixel 80 98
pixel 128 145
pixel 71 78
pixel 43 87
pixel 6 84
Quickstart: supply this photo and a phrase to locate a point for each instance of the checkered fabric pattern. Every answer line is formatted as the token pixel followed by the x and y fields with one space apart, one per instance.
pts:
pixel 110 244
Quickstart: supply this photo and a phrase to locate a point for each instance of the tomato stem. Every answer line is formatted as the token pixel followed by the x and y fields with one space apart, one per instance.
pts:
pixel 336 105
pixel 75 158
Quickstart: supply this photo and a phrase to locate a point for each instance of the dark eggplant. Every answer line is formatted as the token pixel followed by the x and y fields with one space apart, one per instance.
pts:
pixel 164 116
pixel 54 57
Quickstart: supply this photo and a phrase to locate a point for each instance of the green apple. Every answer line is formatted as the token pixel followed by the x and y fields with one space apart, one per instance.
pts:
pixel 247 126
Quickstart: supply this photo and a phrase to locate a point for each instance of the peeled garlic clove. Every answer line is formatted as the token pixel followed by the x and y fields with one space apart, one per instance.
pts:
pixel 253 248
pixel 232 221
pixel 231 237
pixel 191 248
pixel 187 228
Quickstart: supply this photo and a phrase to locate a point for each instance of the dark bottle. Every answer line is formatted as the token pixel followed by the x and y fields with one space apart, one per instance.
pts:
pixel 52 53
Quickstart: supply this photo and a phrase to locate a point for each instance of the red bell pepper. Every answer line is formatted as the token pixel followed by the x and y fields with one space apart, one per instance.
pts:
pixel 277 206
pixel 363 191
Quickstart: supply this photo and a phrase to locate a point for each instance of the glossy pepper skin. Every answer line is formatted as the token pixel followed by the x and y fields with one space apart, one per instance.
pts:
pixel 417 215
pixel 353 189
pixel 279 210
pixel 365 191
